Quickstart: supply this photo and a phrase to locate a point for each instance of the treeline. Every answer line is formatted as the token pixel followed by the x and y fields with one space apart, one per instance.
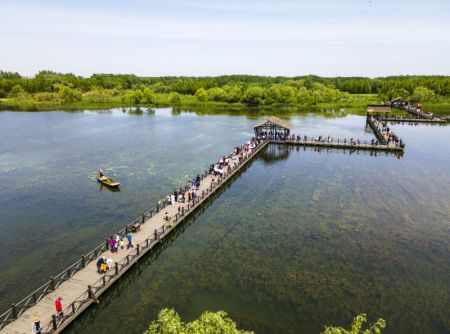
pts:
pixel 48 86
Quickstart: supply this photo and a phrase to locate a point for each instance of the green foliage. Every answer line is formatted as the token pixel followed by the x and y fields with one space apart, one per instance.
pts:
pixel 253 95
pixel 357 327
pixel 16 91
pixel 248 89
pixel 201 94
pixel 174 98
pixel 422 94
pixel 169 322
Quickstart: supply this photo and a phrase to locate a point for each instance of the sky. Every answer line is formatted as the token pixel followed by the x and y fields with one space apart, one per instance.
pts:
pixel 214 37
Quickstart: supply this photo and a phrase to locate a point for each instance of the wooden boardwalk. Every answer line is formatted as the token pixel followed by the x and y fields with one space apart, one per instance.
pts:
pixel 421 115
pixel 83 287
pixel 356 144
pixel 400 119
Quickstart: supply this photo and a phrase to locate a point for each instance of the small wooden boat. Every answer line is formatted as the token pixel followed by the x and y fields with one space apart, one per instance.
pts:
pixel 107 181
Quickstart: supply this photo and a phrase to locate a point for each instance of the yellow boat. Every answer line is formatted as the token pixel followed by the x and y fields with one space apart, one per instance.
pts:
pixel 107 181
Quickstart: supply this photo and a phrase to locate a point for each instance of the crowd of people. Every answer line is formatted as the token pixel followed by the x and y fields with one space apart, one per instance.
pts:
pixel 387 133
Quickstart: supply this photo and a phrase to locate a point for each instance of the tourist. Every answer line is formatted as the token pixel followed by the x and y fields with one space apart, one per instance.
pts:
pixel 100 261
pixel 129 238
pixel 111 244
pixel 58 306
pixel 36 327
pixel 109 264
pixel 116 244
pixel 122 243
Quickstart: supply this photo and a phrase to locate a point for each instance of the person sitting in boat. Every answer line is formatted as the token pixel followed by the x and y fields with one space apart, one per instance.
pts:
pixel 100 172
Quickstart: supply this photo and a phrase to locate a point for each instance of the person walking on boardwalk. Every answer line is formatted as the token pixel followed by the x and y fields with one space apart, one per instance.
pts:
pixel 111 244
pixel 36 327
pixel 130 243
pixel 58 306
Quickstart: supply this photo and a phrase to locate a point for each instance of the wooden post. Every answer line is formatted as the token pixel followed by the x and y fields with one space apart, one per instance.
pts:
pixel 143 218
pixel 34 298
pixel 52 283
pixel 138 249
pixel 106 244
pixel 126 229
pixel 68 273
pixel 14 311
pixel 55 325
pixel 157 206
pixel 128 259
pixel 73 308
pixel 116 266
pixel 91 294
pixel 104 280
pixel 83 261
pixel 156 234
pixel 146 243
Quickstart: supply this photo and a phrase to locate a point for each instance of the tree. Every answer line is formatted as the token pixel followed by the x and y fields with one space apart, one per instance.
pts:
pixel 422 94
pixel 357 325
pixel 217 94
pixel 174 97
pixel 201 94
pixel 149 96
pixel 16 91
pixel 253 95
pixel 169 322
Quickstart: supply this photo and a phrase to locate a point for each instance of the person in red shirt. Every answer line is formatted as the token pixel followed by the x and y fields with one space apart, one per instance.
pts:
pixel 58 305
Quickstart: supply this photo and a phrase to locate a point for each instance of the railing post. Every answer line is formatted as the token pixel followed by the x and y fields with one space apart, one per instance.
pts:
pixel 83 261
pixel 34 298
pixel 143 218
pixel 182 210
pixel 52 283
pixel 126 229
pixel 157 206
pixel 156 234
pixel 68 273
pixel 138 249
pixel 73 308
pixel 55 325
pixel 106 244
pixel 128 259
pixel 14 311
pixel 104 280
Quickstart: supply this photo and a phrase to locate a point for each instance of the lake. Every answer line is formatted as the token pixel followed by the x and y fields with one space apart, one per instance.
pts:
pixel 302 238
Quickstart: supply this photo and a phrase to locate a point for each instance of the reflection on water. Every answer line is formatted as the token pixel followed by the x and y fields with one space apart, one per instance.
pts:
pixel 304 237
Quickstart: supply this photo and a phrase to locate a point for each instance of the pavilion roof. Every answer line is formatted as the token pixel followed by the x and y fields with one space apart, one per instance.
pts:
pixel 277 121
pixel 378 108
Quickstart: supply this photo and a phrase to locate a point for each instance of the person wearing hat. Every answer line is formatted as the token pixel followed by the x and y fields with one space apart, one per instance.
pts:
pixel 59 309
pixel 36 327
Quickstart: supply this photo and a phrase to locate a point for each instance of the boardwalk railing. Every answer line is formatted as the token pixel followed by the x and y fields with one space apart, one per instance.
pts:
pixel 84 300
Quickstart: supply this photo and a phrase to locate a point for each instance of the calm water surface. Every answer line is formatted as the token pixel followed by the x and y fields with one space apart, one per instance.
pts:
pixel 302 238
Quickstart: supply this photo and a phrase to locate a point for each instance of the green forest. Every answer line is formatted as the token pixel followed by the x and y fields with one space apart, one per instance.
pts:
pixel 51 88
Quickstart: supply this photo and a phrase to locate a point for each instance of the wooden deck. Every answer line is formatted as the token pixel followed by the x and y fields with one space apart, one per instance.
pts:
pixel 413 120
pixel 83 288
pixel 421 114
pixel 355 145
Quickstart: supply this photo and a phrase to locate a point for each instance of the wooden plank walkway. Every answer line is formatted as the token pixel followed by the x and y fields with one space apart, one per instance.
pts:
pixel 83 288
pixel 356 144
pixel 421 114
pixel 413 120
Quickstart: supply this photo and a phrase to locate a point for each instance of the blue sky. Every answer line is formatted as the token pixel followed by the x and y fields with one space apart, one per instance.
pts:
pixel 212 37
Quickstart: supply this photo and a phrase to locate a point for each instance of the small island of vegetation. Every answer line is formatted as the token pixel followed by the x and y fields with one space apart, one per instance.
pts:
pixel 48 90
